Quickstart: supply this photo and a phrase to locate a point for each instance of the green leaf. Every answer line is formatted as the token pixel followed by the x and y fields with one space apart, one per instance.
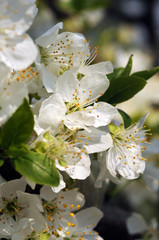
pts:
pixel 37 168
pixel 147 73
pixel 121 72
pixel 17 151
pixel 126 118
pixel 122 89
pixel 127 69
pixel 1 162
pixel 18 128
pixel 116 73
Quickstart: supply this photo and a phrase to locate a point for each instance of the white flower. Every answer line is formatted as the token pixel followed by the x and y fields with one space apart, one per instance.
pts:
pixel 125 156
pixel 14 205
pixel 69 149
pixel 11 94
pixel 16 49
pixel 61 150
pixel 66 51
pixel 58 208
pixel 31 229
pixel 86 220
pixel 71 103
pixel 9 206
pixel 57 53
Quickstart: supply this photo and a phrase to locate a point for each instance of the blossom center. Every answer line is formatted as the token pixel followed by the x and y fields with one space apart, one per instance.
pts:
pixel 59 53
pixel 49 208
pixel 42 235
pixel 74 105
pixel 56 149
pixel 11 207
pixel 130 143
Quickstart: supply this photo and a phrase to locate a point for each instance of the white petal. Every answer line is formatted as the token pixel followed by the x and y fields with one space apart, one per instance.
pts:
pixel 48 37
pixel 80 170
pixel 121 161
pixel 103 113
pixel 61 185
pixel 102 67
pixel 5 74
pixel 71 197
pixel 92 87
pixel 95 141
pixel 10 100
pixel 89 216
pixel 78 120
pixel 52 112
pixel 66 85
pixel 47 193
pixel 28 199
pixel 9 228
pixel 112 161
pixel 20 53
pixel 49 79
pixel 142 120
pixel 11 187
pixel 130 170
pixel 17 16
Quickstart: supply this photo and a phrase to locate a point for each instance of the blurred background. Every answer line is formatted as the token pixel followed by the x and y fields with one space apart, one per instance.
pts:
pixel 120 28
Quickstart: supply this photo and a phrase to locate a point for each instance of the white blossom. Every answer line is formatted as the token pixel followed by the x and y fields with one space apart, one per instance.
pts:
pixel 86 220
pixel 57 53
pixel 72 104
pixel 66 52
pixel 58 208
pixel 15 205
pixel 17 49
pixel 124 157
pixel 30 229
pixel 70 150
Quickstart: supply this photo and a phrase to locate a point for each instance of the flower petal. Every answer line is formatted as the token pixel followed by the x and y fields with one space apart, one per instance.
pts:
pixel 20 52
pixel 17 16
pixel 102 67
pixel 102 112
pixel 47 38
pixel 95 141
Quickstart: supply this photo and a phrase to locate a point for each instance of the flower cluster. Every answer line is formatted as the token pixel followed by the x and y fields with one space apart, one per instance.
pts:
pixel 54 115
pixel 67 109
pixel 49 215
